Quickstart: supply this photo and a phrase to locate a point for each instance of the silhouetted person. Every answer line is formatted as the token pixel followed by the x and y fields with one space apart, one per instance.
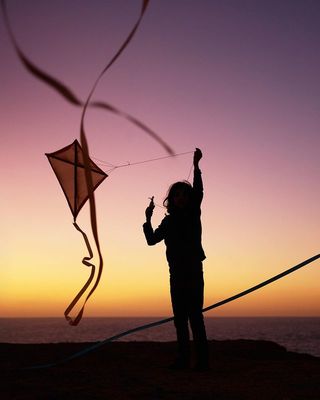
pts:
pixel 181 231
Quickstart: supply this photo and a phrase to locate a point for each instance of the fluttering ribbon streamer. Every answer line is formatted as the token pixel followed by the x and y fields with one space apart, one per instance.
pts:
pixel 68 165
pixel 85 148
pixel 67 93
pixel 71 98
pixel 85 261
pixel 97 345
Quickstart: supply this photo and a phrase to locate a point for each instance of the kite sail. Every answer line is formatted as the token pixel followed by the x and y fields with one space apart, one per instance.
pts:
pixel 68 165
pixel 69 168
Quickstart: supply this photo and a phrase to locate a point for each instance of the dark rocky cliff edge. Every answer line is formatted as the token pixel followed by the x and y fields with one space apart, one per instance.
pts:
pixel 240 370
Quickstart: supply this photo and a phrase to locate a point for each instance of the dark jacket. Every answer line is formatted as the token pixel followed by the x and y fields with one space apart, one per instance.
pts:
pixel 181 231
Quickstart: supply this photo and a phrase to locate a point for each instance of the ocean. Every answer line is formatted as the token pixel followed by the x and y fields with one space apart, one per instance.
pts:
pixel 299 334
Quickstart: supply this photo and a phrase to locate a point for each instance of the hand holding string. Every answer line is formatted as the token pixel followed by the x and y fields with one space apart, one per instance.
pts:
pixel 197 155
pixel 149 209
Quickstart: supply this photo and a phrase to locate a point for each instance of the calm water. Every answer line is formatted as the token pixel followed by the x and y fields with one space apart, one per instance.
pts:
pixel 296 334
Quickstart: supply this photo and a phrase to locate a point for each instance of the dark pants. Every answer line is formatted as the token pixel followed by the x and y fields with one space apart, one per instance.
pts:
pixel 187 304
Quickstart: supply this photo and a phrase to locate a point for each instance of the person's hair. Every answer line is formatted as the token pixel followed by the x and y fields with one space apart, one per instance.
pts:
pixel 181 185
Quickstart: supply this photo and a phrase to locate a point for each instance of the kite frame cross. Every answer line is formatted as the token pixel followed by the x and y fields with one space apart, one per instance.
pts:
pixel 58 155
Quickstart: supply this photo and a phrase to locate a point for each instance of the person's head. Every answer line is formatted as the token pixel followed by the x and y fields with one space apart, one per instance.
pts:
pixel 179 196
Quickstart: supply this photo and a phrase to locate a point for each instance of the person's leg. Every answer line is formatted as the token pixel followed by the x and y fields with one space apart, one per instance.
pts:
pixel 180 313
pixel 197 323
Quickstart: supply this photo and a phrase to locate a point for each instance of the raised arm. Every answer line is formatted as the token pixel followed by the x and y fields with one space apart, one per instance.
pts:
pixel 197 179
pixel 152 236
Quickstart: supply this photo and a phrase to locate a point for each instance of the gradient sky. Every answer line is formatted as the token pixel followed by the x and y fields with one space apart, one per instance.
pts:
pixel 237 78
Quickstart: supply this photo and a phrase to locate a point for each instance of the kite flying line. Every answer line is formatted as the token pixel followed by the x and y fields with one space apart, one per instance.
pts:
pixel 113 167
pixel 129 164
pixel 97 345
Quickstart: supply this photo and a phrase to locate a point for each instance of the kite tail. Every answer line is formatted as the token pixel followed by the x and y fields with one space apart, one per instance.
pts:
pixel 66 91
pixel 85 261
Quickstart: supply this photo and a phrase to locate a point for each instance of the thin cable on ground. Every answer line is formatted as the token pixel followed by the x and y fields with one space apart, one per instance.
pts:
pixel 96 345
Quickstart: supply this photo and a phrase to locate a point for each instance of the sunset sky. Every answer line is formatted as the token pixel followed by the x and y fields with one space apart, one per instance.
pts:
pixel 237 78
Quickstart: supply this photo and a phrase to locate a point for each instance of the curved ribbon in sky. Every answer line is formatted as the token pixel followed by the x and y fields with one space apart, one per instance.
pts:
pixel 69 95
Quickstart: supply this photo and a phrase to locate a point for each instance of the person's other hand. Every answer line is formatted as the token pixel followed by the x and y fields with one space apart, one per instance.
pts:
pixel 149 209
